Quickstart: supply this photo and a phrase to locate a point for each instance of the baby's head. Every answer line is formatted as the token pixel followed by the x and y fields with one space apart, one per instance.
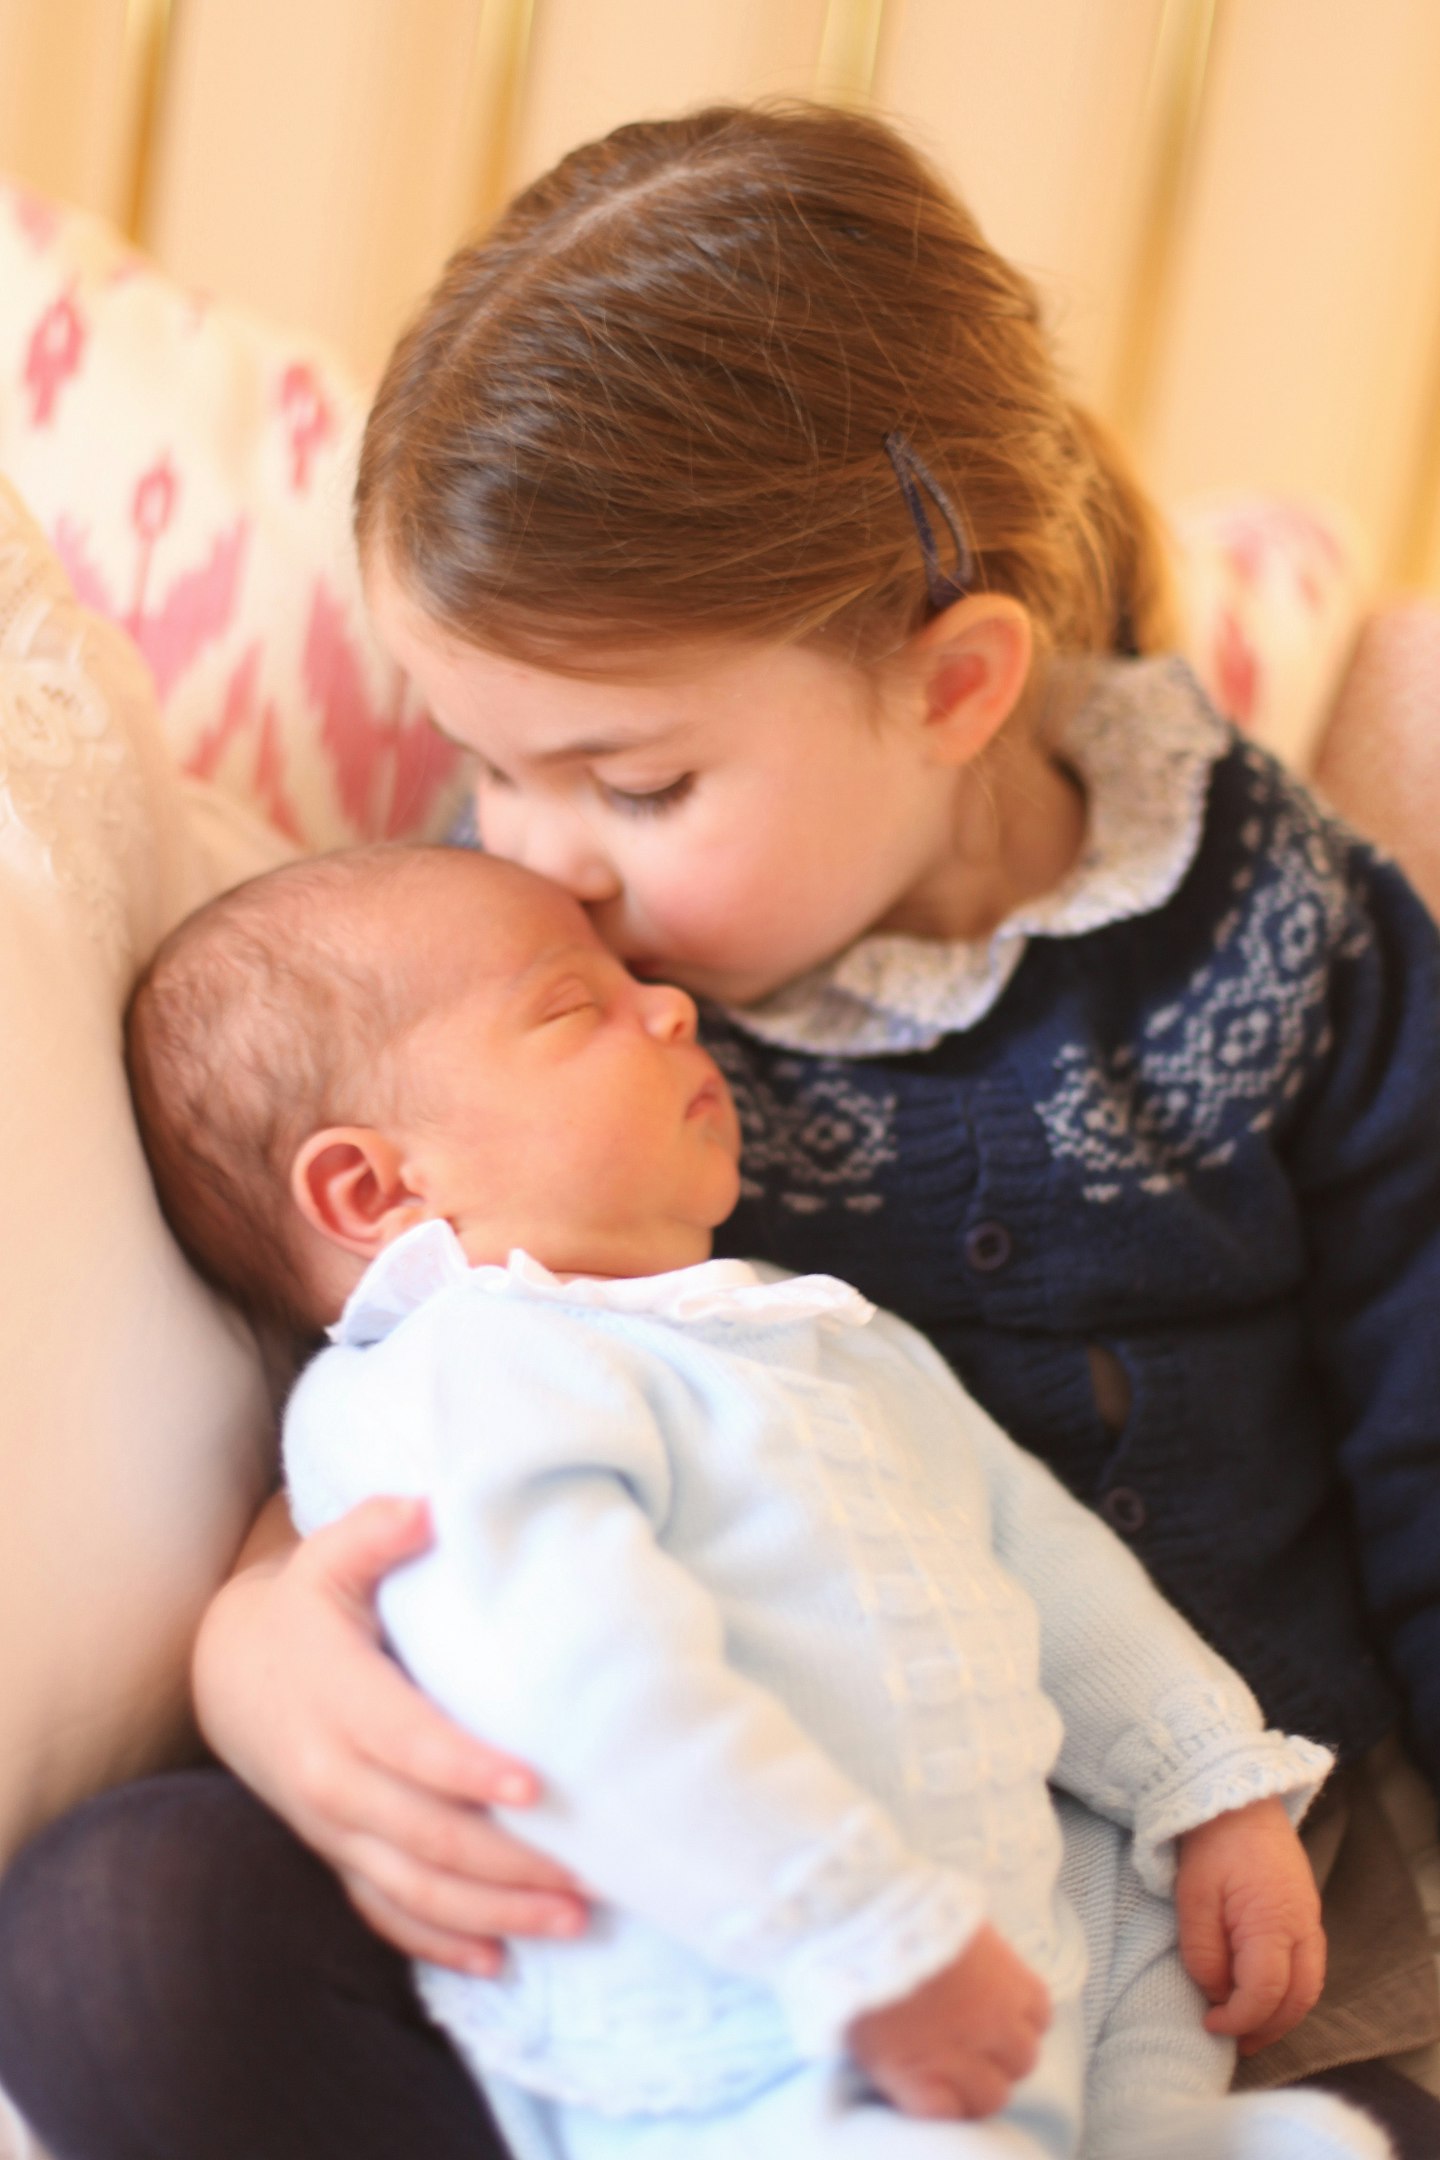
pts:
pixel 343 1048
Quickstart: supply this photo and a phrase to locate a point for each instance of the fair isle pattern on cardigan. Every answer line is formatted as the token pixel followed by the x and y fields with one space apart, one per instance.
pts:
pixel 1192 1124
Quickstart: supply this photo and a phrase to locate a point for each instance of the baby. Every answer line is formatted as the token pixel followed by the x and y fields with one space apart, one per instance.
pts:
pixel 793 1635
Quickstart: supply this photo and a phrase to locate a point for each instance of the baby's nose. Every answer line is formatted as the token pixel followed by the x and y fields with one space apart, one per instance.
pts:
pixel 670 1013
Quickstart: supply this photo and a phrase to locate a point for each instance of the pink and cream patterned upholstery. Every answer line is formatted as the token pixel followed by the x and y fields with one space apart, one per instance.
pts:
pixel 192 470
pixel 1271 597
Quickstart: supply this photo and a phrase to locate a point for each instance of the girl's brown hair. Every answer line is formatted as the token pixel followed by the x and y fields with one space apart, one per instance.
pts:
pixel 654 400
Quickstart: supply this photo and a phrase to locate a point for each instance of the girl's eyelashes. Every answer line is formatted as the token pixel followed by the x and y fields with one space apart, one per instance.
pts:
pixel 630 802
pixel 647 802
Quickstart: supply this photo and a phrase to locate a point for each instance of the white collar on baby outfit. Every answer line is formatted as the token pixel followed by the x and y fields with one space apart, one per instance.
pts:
pixel 429 1259
pixel 1142 739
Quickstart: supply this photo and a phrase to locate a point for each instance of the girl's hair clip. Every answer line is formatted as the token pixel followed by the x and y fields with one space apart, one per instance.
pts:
pixel 914 475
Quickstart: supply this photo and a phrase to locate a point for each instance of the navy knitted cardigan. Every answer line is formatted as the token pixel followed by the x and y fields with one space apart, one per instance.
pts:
pixel 1205 1140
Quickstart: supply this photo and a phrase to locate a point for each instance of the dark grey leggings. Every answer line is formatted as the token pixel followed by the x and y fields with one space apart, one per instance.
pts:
pixel 181 1980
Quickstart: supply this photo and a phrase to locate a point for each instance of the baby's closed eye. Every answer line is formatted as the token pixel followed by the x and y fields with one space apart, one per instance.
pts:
pixel 568 1001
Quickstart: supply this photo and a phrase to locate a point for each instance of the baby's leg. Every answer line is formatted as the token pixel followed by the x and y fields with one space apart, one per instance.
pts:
pixel 1156 2081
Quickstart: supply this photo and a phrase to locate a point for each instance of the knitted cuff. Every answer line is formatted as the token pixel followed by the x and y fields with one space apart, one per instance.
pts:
pixel 1273 1766
pixel 878 1956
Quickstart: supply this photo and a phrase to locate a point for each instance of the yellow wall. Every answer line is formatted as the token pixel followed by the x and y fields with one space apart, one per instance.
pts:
pixel 1233 205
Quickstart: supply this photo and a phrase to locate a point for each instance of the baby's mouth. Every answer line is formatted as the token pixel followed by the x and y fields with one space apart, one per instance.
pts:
pixel 710 1095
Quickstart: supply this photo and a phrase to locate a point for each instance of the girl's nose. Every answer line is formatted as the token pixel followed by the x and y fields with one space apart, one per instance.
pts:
pixel 555 842
pixel 669 1012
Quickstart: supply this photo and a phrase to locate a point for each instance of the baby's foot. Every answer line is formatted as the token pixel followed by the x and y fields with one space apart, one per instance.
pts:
pixel 1246 2126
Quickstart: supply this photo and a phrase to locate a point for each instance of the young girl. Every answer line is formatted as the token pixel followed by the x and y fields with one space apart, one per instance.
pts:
pixel 725 500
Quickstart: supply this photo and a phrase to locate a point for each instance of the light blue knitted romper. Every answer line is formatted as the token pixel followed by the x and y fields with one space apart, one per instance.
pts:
pixel 788 1628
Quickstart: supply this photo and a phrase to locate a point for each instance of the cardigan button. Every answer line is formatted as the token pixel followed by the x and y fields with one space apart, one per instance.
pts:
pixel 987 1247
pixel 1124 1510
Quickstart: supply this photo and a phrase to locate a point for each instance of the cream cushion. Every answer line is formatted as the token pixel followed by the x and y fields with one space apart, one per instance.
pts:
pixel 136 1436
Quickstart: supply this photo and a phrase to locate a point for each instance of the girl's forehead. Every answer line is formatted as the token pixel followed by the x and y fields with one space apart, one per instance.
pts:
pixel 624 698
pixel 591 669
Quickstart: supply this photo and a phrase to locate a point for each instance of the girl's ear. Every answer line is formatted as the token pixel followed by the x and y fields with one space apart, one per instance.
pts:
pixel 973 662
pixel 348 1182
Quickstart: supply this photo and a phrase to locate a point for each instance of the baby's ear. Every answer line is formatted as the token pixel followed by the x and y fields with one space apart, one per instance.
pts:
pixel 973 663
pixel 348 1183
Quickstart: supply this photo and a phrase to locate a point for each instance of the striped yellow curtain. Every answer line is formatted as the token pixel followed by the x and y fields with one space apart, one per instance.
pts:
pixel 1233 206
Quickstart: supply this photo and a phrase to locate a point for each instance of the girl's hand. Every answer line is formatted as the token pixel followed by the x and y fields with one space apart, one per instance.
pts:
pixel 294 1692
pixel 1250 1932
pixel 955 2049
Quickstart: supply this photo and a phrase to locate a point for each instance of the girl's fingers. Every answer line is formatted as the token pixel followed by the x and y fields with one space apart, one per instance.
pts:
pixel 389 1723
pixel 452 1904
pixel 480 1956
pixel 455 1840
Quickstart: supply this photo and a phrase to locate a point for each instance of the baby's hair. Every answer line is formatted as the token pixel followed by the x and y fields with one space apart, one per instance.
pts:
pixel 259 1021
pixel 655 400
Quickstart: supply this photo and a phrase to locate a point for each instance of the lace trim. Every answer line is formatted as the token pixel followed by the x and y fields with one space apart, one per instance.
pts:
pixel 430 1259
pixel 1275 1768
pixel 1185 1765
pixel 871 1923
pixel 1143 740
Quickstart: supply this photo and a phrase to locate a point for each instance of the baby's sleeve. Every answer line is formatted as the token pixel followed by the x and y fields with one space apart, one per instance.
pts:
pixel 551 1620
pixel 1161 1734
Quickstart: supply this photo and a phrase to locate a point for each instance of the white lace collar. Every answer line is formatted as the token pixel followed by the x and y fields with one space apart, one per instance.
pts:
pixel 429 1259
pixel 1142 739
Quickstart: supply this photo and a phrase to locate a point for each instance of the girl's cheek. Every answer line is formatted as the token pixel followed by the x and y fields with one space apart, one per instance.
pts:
pixel 495 832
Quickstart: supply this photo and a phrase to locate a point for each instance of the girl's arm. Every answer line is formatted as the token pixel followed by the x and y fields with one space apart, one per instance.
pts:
pixel 294 1692
pixel 1364 1154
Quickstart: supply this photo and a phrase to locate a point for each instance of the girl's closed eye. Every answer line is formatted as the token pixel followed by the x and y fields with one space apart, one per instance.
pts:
pixel 647 802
